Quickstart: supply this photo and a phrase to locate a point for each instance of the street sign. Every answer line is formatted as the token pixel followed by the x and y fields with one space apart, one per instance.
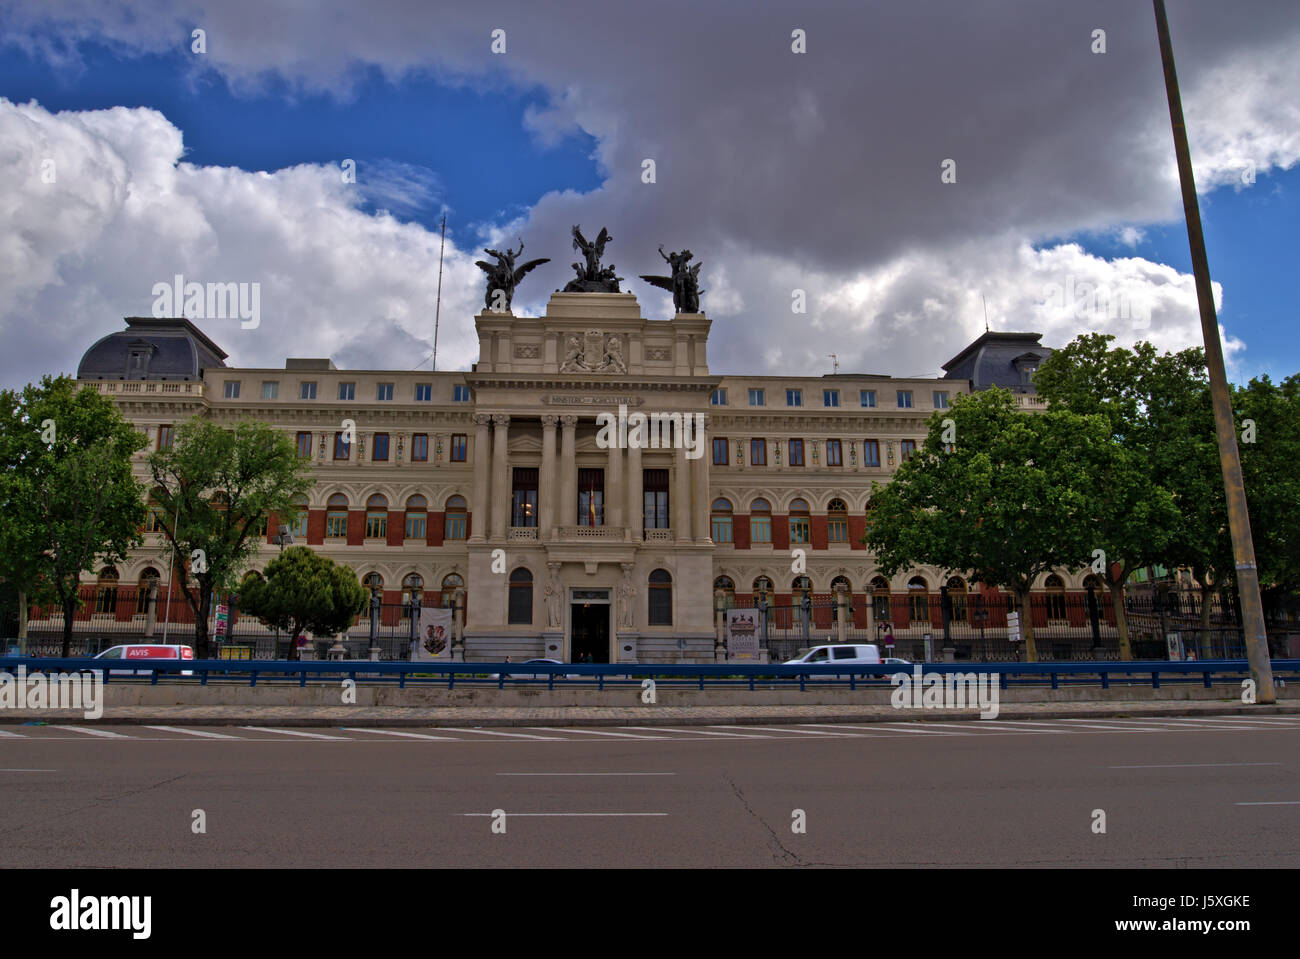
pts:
pixel 223 618
pixel 1174 642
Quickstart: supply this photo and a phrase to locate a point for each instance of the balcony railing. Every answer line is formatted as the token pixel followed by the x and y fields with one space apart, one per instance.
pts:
pixel 606 533
pixel 146 386
pixel 522 534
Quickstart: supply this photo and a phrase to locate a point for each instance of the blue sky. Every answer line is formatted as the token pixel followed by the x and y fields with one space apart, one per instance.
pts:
pixel 782 173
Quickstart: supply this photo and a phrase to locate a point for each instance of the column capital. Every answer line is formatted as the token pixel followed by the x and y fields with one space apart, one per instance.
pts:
pixel 569 422
pixel 550 421
pixel 501 419
pixel 482 419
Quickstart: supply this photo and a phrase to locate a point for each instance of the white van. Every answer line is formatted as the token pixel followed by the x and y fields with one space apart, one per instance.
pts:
pixel 847 654
pixel 144 653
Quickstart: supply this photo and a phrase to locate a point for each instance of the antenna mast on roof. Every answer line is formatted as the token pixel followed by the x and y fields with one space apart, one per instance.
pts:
pixel 836 360
pixel 986 312
pixel 437 310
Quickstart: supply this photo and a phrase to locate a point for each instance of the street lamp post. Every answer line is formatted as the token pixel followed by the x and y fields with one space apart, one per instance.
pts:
pixel 283 537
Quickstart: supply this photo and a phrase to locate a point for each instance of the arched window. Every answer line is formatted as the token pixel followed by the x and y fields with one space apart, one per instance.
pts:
pixel 377 517
pixel 106 590
pixel 760 521
pixel 722 521
pixel 837 521
pixel 1055 598
pixel 417 517
pixel 155 518
pixel 412 586
pixel 219 500
pixel 336 517
pixel 521 598
pixel 1093 580
pixel 800 524
pixel 836 583
pixel 298 528
pixel 918 596
pixel 149 578
pixel 457 518
pixel 450 583
pixel 372 581
pixel 660 598
pixel 880 599
pixel 957 597
pixel 728 588
pixel 801 587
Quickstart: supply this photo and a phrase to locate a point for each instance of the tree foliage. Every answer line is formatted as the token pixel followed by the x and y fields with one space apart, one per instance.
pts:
pixel 223 483
pixel 68 500
pixel 301 590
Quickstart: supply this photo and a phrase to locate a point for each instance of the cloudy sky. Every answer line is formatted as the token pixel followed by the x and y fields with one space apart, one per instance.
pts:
pixel 128 156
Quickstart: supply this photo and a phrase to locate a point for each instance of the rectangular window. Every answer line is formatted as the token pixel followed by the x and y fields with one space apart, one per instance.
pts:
pixel 298 529
pixel 336 524
pixel 834 454
pixel 871 453
pixel 758 451
pixel 796 452
pixel 347 391
pixel 868 398
pixel 794 397
pixel 760 528
pixel 376 524
pixel 383 392
pixel 417 524
pixel 153 521
pixel 423 392
pixel 757 397
pixel 307 391
pixel 232 389
pixel 800 529
pixel 270 389
pixel 719 451
pixel 460 394
pixel 655 487
pixel 904 399
pixel 458 447
pixel 523 509
pixel 906 449
pixel 342 447
pixel 940 399
pixel 719 397
pixel 379 449
pixel 837 529
pixel 420 448
pixel 166 436
pixel 830 398
pixel 591 497
pixel 304 446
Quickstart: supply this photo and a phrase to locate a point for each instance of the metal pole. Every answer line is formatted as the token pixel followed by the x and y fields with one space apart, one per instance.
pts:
pixel 1243 546
pixel 171 569
pixel 437 310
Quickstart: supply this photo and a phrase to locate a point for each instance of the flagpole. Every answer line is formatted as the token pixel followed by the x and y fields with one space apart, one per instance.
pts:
pixel 437 311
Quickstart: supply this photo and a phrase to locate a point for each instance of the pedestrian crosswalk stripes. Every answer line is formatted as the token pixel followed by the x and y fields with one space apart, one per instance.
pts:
pixel 629 734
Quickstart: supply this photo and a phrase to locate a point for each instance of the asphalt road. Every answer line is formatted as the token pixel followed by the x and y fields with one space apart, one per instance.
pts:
pixel 1219 791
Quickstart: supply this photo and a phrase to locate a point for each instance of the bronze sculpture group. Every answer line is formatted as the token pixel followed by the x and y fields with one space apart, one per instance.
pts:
pixel 591 277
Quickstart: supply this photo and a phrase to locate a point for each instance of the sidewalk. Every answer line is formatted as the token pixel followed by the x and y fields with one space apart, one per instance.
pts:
pixel 391 716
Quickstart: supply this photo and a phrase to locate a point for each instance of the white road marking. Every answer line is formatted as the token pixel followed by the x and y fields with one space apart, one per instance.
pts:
pixel 28 770
pixel 699 732
pixel 594 732
pixel 4 733
pixel 489 732
pixel 192 732
pixel 917 727
pixel 1190 765
pixel 395 732
pixel 788 729
pixel 104 733
pixel 295 732
pixel 586 774
pixel 1289 802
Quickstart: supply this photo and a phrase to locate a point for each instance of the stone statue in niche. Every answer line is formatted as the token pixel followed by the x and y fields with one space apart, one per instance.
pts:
pixel 593 352
pixel 554 601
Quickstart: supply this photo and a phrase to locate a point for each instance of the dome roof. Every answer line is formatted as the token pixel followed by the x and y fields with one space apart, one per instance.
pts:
pixel 167 348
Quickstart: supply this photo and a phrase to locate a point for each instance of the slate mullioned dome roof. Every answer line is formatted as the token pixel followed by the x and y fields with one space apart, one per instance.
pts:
pixel 150 348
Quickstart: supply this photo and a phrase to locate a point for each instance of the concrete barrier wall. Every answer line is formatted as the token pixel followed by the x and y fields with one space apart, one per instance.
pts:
pixel 331 694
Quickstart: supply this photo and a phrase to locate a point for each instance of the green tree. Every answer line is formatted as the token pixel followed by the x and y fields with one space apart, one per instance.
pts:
pixel 1138 518
pixel 301 590
pixel 223 483
pixel 68 499
pixel 1011 500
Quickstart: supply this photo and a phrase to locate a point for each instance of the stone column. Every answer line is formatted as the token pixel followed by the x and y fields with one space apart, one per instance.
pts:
pixel 614 487
pixel 635 500
pixel 700 483
pixel 482 471
pixel 681 505
pixel 500 476
pixel 569 471
pixel 548 481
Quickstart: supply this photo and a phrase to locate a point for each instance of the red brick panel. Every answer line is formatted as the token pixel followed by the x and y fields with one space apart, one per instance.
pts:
pixel 356 527
pixel 820 536
pixel 315 527
pixel 740 530
pixel 821 612
pixel 396 527
pixel 272 524
pixel 392 609
pixel 857 530
pixel 435 529
pixel 1076 609
pixel 780 531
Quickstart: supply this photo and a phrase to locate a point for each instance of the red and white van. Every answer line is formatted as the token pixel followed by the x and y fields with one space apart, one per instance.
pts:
pixel 145 653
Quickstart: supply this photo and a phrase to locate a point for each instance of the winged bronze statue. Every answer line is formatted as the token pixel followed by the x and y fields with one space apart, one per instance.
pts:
pixel 684 284
pixel 503 277
pixel 591 277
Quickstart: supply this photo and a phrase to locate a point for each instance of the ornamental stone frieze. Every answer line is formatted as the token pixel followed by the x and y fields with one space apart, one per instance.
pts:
pixel 593 352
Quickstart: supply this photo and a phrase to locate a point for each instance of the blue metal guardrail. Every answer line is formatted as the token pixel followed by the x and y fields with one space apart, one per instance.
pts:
pixel 623 674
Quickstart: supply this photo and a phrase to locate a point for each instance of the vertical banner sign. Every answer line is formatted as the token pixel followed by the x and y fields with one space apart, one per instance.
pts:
pixel 1174 641
pixel 1013 627
pixel 434 638
pixel 223 618
pixel 742 633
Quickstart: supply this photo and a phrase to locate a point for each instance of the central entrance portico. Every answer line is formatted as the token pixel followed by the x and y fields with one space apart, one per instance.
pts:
pixel 589 632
